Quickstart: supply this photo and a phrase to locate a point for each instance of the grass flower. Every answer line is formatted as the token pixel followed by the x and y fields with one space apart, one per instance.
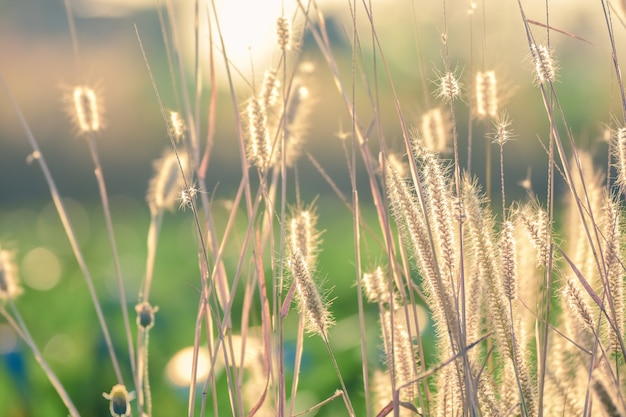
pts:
pixel 177 126
pixel 87 110
pixel 449 87
pixel 310 302
pixel 283 33
pixel 545 66
pixel 486 94
pixel 9 280
pixel 167 184
pixel 260 150
pixel 435 131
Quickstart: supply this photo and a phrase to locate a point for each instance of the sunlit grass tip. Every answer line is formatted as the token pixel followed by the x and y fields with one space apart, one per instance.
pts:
pixel 85 109
pixel 259 142
pixel 9 279
pixel 436 130
pixel 166 185
pixel 486 94
pixel 448 86
pixel 376 286
pixel 283 33
pixel 619 155
pixel 303 234
pixel 177 126
pixel 311 304
pixel 545 65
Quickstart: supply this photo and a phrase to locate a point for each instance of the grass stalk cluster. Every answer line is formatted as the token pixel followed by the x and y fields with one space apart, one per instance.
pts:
pixel 527 316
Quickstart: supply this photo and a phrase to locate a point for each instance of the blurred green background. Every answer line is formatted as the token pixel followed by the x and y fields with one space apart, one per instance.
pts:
pixel 37 62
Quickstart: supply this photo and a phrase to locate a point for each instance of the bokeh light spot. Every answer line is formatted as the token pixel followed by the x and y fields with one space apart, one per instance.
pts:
pixel 179 368
pixel 41 269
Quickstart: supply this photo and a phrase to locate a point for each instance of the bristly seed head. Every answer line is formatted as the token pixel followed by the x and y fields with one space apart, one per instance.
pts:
pixel 449 87
pixel 165 187
pixel 486 94
pixel 509 261
pixel 177 126
pixel 259 145
pixel 435 132
pixel 502 134
pixel 545 67
pixel 318 318
pixel 303 235
pixel 120 400
pixel 283 33
pixel 619 152
pixel 188 196
pixel 375 286
pixel 87 110
pixel 9 281
pixel 269 88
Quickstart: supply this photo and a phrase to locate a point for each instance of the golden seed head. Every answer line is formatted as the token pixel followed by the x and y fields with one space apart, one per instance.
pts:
pixel 449 87
pixel 283 33
pixel 269 88
pixel 318 318
pixel 9 281
pixel 502 133
pixel 87 109
pixel 619 151
pixel 259 145
pixel 396 166
pixel 545 67
pixel 435 132
pixel 509 261
pixel 486 95
pixel 167 183
pixel 302 233
pixel 298 111
pixel 177 126
pixel 375 285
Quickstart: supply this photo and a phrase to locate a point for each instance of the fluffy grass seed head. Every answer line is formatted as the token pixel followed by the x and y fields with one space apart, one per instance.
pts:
pixel 396 165
pixel 486 95
pixel 400 355
pixel 120 400
pixel 283 33
pixel 435 132
pixel 448 86
pixel 318 318
pixel 9 281
pixel 85 109
pixel 502 132
pixel 578 305
pixel 166 185
pixel 376 286
pixel 304 236
pixel 177 126
pixel 259 142
pixel 298 111
pixel 269 88
pixel 508 248
pixel 619 154
pixel 188 196
pixel 545 65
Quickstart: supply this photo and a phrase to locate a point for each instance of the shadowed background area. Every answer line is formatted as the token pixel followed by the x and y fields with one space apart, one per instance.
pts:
pixel 38 64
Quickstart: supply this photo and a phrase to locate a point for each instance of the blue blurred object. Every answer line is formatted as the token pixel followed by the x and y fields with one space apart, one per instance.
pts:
pixel 14 362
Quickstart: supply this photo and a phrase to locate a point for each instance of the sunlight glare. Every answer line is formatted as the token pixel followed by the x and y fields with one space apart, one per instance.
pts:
pixel 179 368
